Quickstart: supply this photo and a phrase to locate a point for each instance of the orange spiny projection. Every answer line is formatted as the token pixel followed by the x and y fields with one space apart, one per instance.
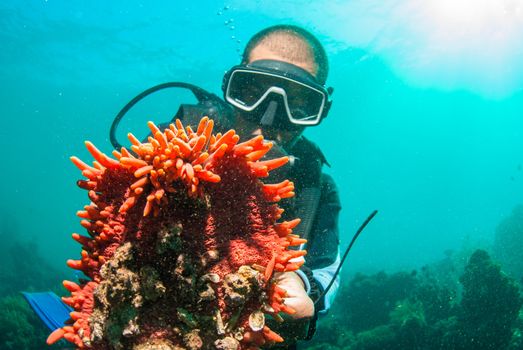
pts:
pixel 182 243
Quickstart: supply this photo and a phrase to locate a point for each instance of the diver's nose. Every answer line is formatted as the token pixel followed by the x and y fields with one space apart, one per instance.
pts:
pixel 268 116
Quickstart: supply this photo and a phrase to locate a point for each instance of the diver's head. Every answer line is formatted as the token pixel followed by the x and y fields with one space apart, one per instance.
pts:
pixel 278 89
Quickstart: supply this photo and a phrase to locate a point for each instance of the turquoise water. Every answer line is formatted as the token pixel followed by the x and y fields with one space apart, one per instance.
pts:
pixel 427 131
pixel 441 165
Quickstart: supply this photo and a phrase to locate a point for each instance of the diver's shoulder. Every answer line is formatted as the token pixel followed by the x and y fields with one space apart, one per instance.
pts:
pixel 307 149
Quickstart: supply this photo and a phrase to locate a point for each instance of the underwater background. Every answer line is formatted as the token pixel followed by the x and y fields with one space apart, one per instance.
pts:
pixel 426 126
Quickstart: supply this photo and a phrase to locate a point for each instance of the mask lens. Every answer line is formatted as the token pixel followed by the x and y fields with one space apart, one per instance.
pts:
pixel 245 88
pixel 305 103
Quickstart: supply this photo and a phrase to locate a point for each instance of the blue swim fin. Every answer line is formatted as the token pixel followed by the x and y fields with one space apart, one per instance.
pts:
pixel 49 307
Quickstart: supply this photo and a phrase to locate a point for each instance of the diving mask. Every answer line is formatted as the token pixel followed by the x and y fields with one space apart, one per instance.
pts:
pixel 305 101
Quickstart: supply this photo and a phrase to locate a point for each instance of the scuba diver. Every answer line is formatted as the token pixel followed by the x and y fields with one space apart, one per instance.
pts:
pixel 277 91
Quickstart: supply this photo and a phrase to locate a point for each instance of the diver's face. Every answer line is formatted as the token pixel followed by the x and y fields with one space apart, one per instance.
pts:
pixel 285 138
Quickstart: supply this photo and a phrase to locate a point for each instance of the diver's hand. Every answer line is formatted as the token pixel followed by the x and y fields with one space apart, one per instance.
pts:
pixel 297 297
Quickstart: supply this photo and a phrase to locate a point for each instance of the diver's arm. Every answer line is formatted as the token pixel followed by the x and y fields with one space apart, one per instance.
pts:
pixel 323 276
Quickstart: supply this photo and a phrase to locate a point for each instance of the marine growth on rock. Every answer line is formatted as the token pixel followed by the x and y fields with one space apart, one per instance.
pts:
pixel 181 246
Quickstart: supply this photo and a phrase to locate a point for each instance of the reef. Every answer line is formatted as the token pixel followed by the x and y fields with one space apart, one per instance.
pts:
pixel 423 312
pixel 508 242
pixel 183 239
pixel 20 327
pixel 380 292
pixel 490 304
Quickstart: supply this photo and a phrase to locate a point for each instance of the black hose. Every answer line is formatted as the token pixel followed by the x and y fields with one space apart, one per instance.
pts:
pixel 200 94
pixel 362 227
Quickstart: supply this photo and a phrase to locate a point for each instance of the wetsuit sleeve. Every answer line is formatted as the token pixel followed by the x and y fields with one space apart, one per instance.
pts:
pixel 323 256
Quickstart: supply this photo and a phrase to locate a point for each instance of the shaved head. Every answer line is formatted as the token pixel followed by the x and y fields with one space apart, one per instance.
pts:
pixel 294 44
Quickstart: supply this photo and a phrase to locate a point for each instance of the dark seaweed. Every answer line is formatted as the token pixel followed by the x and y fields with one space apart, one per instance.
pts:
pixel 419 311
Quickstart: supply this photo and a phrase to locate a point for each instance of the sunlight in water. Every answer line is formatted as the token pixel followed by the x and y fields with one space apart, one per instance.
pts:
pixel 468 44
pixel 475 45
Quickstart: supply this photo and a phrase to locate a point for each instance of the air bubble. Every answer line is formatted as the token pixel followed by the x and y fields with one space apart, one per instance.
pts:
pixel 232 27
pixel 226 22
pixel 219 13
pixel 226 7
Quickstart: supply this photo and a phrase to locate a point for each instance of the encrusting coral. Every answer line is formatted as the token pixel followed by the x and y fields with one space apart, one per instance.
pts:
pixel 182 244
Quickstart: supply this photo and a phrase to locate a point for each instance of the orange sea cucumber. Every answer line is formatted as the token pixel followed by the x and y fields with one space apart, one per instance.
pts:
pixel 182 244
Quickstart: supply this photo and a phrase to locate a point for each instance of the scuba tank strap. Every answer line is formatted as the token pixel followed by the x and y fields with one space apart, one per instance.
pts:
pixel 307 171
pixel 307 204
